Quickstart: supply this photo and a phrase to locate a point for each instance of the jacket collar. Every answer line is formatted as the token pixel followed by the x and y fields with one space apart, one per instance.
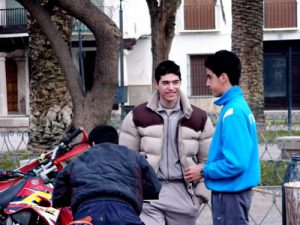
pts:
pixel 228 95
pixel 184 103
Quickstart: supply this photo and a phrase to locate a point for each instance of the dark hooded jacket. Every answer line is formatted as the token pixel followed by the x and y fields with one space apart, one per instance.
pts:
pixel 106 171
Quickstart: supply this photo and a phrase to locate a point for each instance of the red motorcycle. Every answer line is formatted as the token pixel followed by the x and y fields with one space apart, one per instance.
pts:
pixel 26 192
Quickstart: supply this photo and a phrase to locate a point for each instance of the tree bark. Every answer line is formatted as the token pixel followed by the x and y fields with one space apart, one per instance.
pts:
pixel 247 43
pixel 162 17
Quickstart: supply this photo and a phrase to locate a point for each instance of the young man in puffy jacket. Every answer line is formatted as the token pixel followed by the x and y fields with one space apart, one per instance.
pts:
pixel 107 183
pixel 172 134
pixel 233 166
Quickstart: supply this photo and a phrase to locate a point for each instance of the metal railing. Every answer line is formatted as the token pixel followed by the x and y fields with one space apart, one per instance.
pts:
pixel 78 26
pixel 13 17
pixel 266 208
pixel 18 16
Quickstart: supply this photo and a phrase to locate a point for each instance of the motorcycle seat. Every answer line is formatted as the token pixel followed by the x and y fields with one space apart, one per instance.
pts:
pixel 8 195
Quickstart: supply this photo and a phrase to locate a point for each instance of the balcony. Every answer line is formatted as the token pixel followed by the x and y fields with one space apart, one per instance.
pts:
pixel 108 10
pixel 13 21
pixel 280 14
pixel 199 16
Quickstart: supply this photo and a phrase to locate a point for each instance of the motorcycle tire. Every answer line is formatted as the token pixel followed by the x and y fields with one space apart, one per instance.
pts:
pixel 25 217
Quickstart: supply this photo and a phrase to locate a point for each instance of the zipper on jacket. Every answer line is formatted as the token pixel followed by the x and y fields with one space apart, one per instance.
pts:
pixel 168 169
pixel 191 196
pixel 187 185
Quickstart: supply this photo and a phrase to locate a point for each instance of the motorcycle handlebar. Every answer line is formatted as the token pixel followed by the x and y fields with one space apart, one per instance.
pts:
pixel 66 140
pixel 7 174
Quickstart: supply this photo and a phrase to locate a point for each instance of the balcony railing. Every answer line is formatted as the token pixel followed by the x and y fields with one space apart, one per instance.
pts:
pixel 108 10
pixel 280 14
pixel 18 17
pixel 13 17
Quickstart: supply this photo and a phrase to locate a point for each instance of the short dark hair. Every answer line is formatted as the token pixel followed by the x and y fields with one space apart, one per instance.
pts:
pixel 224 61
pixel 103 133
pixel 166 67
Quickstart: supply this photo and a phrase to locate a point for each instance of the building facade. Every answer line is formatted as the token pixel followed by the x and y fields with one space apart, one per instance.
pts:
pixel 14 74
pixel 201 30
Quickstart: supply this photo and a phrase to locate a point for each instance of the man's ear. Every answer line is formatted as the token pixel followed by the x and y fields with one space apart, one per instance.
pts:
pixel 155 84
pixel 93 143
pixel 224 78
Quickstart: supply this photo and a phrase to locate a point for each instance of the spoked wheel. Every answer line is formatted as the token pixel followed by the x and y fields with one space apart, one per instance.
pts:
pixel 8 221
pixel 25 217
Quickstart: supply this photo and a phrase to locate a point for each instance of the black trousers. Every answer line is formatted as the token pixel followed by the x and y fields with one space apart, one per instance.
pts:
pixel 231 208
pixel 108 212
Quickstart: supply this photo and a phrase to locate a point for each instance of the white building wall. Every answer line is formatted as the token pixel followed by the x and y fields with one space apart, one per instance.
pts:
pixel 139 63
pixel 136 20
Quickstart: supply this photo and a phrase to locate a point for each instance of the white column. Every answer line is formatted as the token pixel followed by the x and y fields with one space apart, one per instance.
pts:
pixel 27 111
pixel 3 90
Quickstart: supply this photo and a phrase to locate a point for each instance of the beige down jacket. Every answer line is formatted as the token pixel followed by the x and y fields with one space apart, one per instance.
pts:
pixel 142 130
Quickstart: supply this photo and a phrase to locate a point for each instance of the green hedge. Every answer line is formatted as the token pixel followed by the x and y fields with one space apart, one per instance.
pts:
pixel 272 172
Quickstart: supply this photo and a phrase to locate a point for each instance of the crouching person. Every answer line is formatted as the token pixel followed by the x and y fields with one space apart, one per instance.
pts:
pixel 107 183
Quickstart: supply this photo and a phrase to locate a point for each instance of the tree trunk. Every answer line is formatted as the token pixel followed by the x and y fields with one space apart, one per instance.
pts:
pixel 50 101
pixel 247 43
pixel 162 18
pixel 95 107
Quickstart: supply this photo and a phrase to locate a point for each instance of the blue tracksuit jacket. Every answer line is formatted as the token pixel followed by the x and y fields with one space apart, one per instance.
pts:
pixel 233 160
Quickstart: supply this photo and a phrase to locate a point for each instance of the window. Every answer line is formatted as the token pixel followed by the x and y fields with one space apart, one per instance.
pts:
pixel 280 14
pixel 199 15
pixel 275 73
pixel 197 78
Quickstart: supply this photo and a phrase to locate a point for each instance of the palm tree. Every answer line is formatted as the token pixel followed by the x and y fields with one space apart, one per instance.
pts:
pixel 247 43
pixel 49 95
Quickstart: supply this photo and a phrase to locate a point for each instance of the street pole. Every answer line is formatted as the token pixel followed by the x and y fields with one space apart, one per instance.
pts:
pixel 121 52
pixel 81 63
pixel 289 90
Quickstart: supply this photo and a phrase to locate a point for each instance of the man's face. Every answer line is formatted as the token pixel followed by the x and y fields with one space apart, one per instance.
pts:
pixel 214 83
pixel 168 87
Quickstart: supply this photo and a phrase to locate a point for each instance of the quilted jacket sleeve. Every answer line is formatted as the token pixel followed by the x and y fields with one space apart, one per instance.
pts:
pixel 205 140
pixel 129 135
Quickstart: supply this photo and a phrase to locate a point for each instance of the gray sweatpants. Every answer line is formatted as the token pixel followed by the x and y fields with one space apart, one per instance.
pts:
pixel 231 208
pixel 175 206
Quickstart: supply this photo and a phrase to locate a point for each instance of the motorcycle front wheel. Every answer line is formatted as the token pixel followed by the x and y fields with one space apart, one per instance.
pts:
pixel 25 217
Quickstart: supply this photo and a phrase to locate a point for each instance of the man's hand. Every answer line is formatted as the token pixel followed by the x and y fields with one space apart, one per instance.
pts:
pixel 192 173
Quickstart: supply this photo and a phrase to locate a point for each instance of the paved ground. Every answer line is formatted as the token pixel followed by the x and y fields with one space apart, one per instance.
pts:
pixel 266 203
pixel 265 209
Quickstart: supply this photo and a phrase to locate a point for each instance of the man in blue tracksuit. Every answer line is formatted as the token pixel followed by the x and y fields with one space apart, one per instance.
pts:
pixel 233 167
